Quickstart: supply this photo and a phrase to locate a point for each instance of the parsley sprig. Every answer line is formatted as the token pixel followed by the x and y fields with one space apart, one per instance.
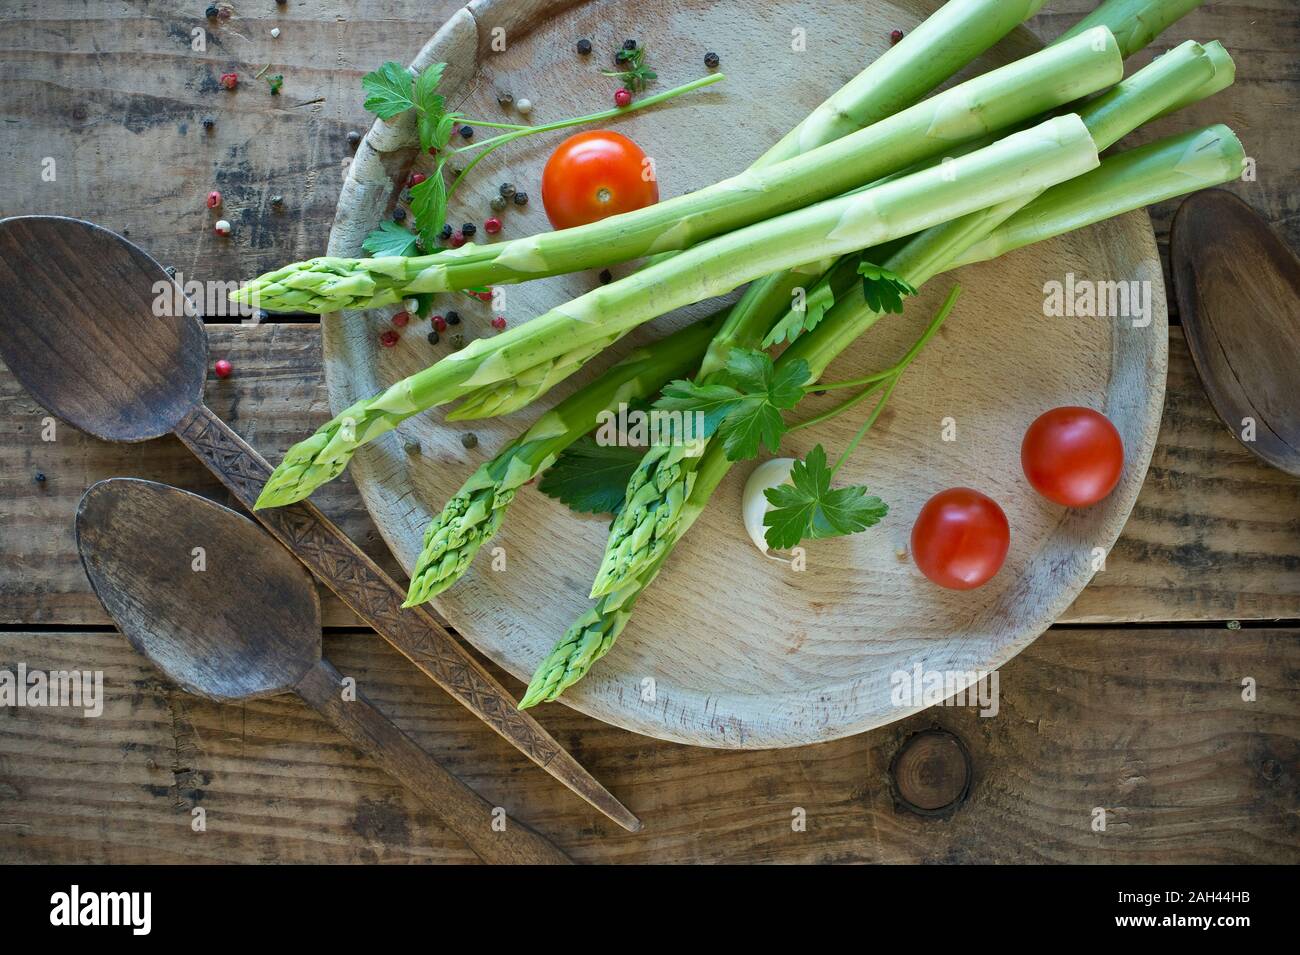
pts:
pixel 391 90
pixel 808 508
pixel 882 290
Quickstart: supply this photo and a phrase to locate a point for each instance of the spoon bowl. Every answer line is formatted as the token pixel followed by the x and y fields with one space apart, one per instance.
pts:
pixel 228 617
pixel 134 369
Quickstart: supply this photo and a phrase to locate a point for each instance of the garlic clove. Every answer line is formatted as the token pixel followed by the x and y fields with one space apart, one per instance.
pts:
pixel 754 504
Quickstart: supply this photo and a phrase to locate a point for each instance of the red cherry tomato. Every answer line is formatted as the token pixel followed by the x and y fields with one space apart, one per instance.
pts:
pixel 960 538
pixel 593 175
pixel 1072 456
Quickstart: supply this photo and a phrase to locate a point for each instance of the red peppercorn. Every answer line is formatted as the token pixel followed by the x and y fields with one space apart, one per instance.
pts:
pixel 222 368
pixel 456 240
pixel 416 179
pixel 214 199
pixel 401 318
pixel 230 80
pixel 492 226
pixel 622 97
pixel 483 296
pixel 498 323
pixel 439 323
pixel 389 338
pixel 895 36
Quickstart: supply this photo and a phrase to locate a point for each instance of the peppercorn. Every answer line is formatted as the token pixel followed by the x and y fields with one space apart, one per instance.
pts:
pixel 711 60
pixel 469 439
pixel 389 338
pixel 492 226
pixel 39 476
pixel 505 97
pixel 411 447
pixel 606 276
pixel 467 132
pixel 468 229
pixel 499 323
pixel 622 97
pixel 521 198
pixel 456 240
pixel 439 323
pixel 171 270
pixel 629 45
pixel 507 190
pixel 401 319
pixel 214 199
pixel 263 315
pixel 498 204
pixel 399 214
pixel 453 318
pixel 211 12
pixel 415 179
pixel 230 80
pixel 620 57
pixel 222 368
pixel 524 105
pixel 209 123
pixel 584 46
pixel 222 227
pixel 457 340
pixel 446 231
pixel 275 33
pixel 895 36
pixel 432 336
pixel 277 202
pixel 354 139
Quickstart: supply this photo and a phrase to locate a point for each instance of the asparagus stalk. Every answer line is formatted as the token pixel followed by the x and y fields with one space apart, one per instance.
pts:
pixel 1130 180
pixel 475 512
pixel 1052 152
pixel 976 108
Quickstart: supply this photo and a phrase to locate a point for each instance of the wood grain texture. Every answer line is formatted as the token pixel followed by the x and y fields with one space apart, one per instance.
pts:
pixel 795 657
pixel 1148 725
pixel 1213 535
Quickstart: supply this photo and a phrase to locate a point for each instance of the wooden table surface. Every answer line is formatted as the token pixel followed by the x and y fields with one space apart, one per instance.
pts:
pixel 1133 704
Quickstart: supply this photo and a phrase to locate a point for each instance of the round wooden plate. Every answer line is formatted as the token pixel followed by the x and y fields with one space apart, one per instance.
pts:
pixel 730 648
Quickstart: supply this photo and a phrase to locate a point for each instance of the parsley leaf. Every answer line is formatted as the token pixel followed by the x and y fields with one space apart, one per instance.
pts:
pixel 743 402
pixel 429 206
pixel 882 289
pixel 590 478
pixel 389 89
pixel 637 76
pixel 816 303
pixel 389 239
pixel 808 508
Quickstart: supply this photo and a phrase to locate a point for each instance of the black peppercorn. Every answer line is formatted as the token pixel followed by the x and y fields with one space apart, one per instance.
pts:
pixel 209 123
pixel 507 190
pixel 354 139
pixel 277 202
pixel 411 447
pixel 584 46
pixel 629 44
pixel 468 229
pixel 40 477
pixel 446 231
pixel 433 336
pixel 453 318
pixel 171 270
pixel 467 132
pixel 620 57
pixel 469 439
pixel 711 60
pixel 606 276
pixel 521 198
pixel 399 214
pixel 212 12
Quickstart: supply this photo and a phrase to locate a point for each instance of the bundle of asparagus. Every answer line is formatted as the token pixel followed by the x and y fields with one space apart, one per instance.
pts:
pixel 871 196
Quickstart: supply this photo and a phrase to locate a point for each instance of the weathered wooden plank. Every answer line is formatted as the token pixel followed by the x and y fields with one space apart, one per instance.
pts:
pixel 1149 725
pixel 1215 534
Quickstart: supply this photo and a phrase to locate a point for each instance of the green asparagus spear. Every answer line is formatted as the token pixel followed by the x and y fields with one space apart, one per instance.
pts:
pixel 475 512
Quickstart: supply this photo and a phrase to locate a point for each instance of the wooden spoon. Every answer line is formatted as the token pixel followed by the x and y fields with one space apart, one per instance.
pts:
pixel 81 329
pixel 1238 289
pixel 245 623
